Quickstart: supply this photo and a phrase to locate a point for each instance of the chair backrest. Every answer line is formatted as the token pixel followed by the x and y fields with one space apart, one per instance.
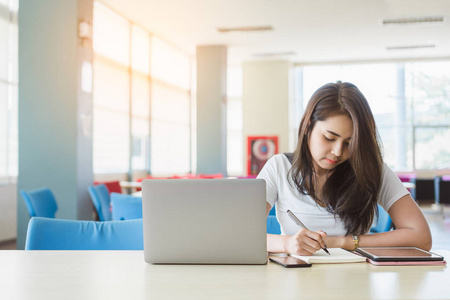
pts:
pixel 102 201
pixel 442 189
pixel 126 207
pixel 112 186
pixel 273 227
pixel 58 234
pixel 384 221
pixel 40 202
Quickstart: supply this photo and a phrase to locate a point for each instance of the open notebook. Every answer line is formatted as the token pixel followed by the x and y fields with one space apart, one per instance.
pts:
pixel 337 255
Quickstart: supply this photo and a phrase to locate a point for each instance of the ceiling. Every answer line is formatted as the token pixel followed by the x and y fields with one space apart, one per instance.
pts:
pixel 304 31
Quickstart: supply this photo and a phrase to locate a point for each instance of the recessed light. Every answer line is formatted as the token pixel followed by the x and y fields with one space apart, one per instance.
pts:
pixel 407 47
pixel 418 20
pixel 274 54
pixel 245 28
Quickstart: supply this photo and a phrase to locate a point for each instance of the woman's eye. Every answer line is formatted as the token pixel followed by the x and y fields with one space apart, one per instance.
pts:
pixel 330 140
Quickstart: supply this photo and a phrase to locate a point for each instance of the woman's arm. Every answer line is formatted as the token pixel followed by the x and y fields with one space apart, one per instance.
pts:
pixel 411 229
pixel 304 242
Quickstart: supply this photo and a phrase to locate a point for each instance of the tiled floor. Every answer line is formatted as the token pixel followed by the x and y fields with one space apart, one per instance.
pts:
pixel 439 222
pixel 8 245
pixel 438 219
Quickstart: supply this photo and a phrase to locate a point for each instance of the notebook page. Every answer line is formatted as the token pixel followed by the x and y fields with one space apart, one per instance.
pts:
pixel 337 255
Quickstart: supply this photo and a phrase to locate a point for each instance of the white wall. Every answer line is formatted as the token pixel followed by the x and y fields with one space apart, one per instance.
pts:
pixel 8 212
pixel 266 101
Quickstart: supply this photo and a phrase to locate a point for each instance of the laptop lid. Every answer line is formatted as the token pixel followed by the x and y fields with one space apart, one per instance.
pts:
pixel 204 221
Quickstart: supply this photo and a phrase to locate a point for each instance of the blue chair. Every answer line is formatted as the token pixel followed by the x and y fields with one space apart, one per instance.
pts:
pixel 40 202
pixel 273 227
pixel 58 234
pixel 102 201
pixel 384 221
pixel 126 207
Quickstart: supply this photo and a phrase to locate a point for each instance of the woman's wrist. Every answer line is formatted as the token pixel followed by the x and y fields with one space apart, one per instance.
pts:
pixel 345 242
pixel 285 243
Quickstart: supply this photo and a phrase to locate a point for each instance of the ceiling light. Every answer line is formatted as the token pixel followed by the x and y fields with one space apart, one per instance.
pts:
pixel 245 28
pixel 403 21
pixel 410 47
pixel 274 54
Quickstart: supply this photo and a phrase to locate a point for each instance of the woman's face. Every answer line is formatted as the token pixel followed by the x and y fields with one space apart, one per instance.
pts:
pixel 329 142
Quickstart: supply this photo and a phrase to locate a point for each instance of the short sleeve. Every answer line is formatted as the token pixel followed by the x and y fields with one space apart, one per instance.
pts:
pixel 270 174
pixel 391 190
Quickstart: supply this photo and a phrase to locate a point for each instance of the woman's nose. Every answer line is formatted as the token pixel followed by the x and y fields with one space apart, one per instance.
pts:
pixel 337 149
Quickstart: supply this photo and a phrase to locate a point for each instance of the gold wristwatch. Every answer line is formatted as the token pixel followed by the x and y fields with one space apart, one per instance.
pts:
pixel 356 241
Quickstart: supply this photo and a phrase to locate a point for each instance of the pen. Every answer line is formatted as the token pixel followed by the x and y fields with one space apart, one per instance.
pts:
pixel 299 223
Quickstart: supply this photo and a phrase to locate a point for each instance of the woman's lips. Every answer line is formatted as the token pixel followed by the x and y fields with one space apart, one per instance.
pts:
pixel 330 161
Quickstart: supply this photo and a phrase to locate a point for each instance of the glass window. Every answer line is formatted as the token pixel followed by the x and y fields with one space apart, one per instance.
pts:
pixel 150 90
pixel 111 144
pixel 170 109
pixel 410 103
pixel 8 90
pixel 170 129
pixel 111 35
pixel 431 147
pixel 140 94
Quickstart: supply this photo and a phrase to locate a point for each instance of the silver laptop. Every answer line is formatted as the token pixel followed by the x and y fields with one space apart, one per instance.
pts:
pixel 204 221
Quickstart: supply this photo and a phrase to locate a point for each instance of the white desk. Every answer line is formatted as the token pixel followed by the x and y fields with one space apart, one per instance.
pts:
pixel 130 184
pixel 124 275
pixel 409 185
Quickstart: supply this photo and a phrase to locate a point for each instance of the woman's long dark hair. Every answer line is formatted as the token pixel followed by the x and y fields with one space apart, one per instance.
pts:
pixel 352 189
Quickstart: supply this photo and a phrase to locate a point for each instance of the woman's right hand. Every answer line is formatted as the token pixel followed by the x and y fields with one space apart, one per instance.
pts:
pixel 305 242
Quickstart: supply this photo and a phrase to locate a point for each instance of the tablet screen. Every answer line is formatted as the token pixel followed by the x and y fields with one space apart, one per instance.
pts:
pixel 397 253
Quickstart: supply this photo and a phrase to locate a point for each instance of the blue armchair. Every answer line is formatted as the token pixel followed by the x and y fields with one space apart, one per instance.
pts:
pixel 126 207
pixel 102 201
pixel 273 227
pixel 40 202
pixel 57 234
pixel 384 221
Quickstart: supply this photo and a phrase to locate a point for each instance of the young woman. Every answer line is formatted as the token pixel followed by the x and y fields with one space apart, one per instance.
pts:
pixel 334 180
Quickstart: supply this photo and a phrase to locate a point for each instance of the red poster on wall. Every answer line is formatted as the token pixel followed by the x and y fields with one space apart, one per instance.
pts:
pixel 260 149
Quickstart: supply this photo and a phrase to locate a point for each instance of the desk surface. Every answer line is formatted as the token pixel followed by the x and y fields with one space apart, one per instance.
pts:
pixel 134 184
pixel 125 275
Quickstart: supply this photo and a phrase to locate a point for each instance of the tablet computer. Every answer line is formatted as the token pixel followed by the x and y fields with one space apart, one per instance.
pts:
pixel 408 263
pixel 393 254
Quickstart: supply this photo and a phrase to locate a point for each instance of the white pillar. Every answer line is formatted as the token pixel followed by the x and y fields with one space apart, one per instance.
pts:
pixel 212 109
pixel 55 112
pixel 265 102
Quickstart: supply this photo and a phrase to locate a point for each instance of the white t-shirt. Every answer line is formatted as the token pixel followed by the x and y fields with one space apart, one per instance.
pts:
pixel 286 196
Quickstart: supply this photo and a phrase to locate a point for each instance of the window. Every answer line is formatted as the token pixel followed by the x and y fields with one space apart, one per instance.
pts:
pixel 140 94
pixel 111 123
pixel 428 94
pixel 142 99
pixel 8 90
pixel 171 109
pixel 410 103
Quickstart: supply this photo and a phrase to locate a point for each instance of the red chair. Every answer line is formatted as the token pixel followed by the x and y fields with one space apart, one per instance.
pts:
pixel 406 177
pixel 186 176
pixel 112 186
pixel 210 176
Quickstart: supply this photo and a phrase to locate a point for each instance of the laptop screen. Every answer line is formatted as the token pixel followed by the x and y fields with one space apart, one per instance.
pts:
pixel 204 221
